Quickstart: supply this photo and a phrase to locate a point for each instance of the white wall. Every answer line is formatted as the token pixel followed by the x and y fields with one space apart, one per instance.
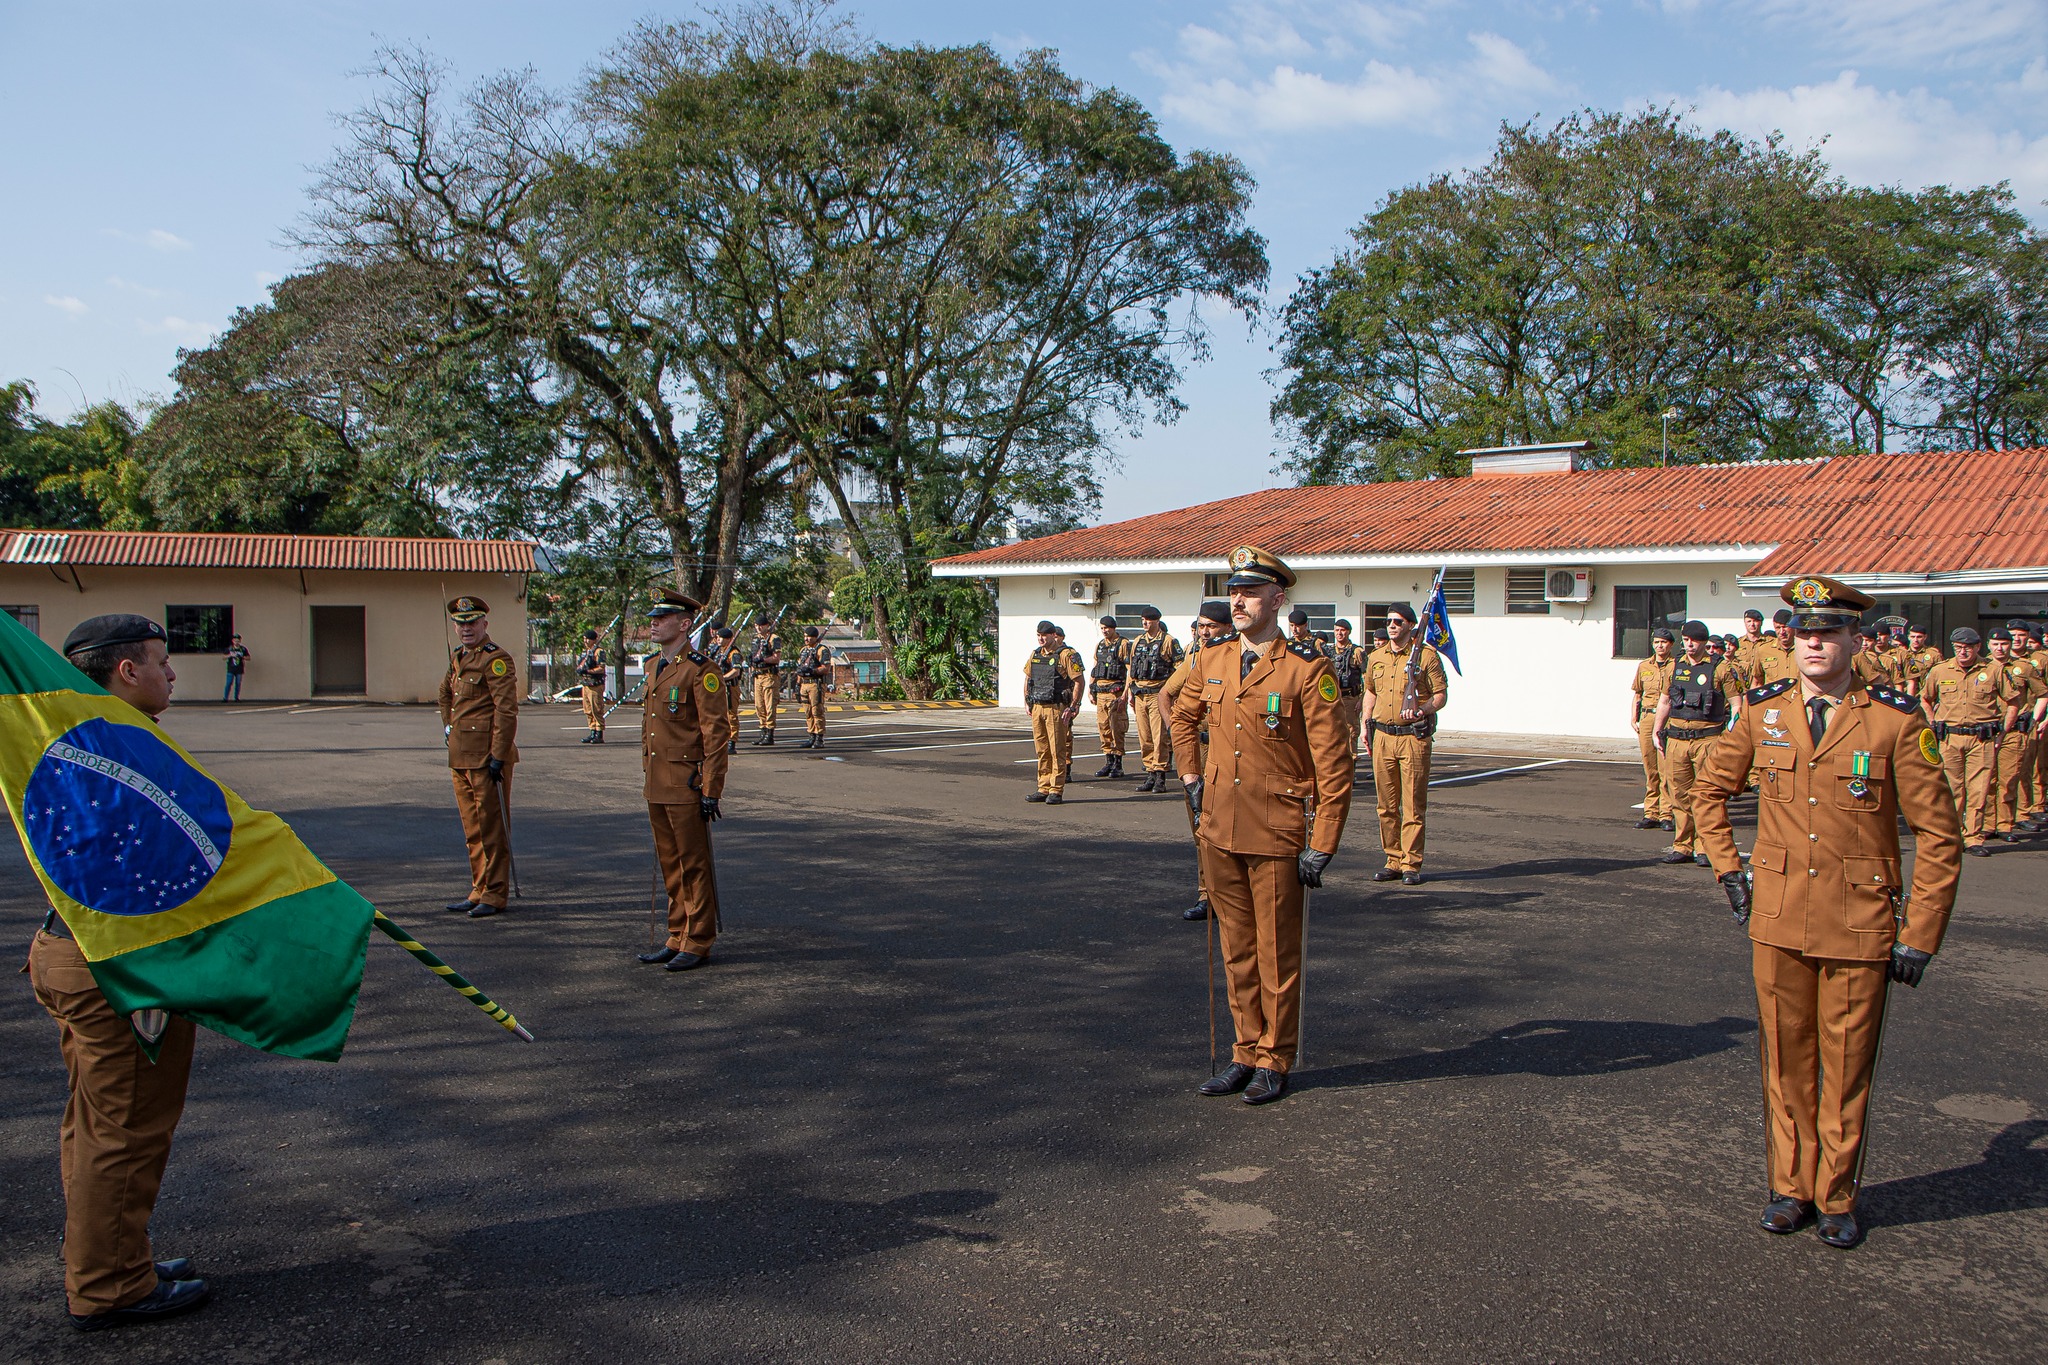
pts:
pixel 1530 675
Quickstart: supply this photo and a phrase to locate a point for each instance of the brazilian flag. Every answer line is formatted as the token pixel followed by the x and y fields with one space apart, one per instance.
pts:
pixel 181 897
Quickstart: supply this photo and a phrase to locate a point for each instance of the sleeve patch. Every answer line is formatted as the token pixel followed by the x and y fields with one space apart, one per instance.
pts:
pixel 499 668
pixel 1930 748
pixel 1327 687
pixel 710 682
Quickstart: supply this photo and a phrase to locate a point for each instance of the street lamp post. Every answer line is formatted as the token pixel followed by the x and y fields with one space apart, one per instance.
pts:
pixel 1667 415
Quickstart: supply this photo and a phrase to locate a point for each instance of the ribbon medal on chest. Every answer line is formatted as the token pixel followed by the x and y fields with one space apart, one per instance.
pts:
pixel 675 700
pixel 1859 768
pixel 1272 710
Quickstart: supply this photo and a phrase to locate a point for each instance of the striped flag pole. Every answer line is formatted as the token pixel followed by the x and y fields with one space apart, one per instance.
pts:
pixel 451 976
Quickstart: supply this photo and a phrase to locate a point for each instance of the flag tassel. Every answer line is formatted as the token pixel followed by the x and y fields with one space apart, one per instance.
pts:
pixel 451 976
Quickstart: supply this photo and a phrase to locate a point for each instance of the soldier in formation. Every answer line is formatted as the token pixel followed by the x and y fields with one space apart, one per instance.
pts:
pixel 764 659
pixel 1210 626
pixel 1405 688
pixel 1971 703
pixel 1347 662
pixel 1109 684
pixel 590 673
pixel 1052 691
pixel 480 721
pixel 732 670
pixel 685 734
pixel 1748 646
pixel 1830 921
pixel 1271 800
pixel 1693 712
pixel 1155 657
pixel 813 676
pixel 1652 681
pixel 1921 656
pixel 2027 640
pixel 2015 746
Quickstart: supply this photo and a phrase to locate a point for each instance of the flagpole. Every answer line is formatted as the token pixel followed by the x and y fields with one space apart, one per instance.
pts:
pixel 450 975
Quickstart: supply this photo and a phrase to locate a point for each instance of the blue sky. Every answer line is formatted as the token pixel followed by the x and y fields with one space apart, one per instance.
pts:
pixel 155 154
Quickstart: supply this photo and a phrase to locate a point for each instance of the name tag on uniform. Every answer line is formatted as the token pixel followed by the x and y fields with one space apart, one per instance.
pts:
pixel 1775 743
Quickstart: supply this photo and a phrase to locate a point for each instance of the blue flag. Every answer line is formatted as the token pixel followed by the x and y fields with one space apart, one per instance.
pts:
pixel 1436 626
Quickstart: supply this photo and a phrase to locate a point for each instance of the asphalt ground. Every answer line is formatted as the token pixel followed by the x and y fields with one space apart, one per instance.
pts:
pixel 934 1098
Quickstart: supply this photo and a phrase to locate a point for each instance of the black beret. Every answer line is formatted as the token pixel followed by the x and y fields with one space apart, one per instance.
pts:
pixel 1963 635
pixel 2017 624
pixel 1107 621
pixel 1379 633
pixel 1297 617
pixel 725 632
pixel 1694 630
pixel 1402 610
pixel 1869 632
pixel 1781 617
pixel 2002 634
pixel 811 632
pixel 1219 612
pixel 1753 615
pixel 120 628
pixel 1046 627
pixel 590 634
pixel 1661 633
pixel 1345 624
pixel 1148 613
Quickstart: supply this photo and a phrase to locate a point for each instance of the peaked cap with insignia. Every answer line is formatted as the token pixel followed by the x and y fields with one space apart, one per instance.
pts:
pixel 1252 567
pixel 1823 604
pixel 468 609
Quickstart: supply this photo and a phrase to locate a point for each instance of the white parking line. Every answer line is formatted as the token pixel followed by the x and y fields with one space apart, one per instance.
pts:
pixel 1496 772
pixel 964 744
pixel 259 710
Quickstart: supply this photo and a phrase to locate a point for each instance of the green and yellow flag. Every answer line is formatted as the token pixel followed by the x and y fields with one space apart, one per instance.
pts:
pixel 180 895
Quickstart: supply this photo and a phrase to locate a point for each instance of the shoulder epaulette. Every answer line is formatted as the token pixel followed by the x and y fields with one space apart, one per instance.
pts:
pixel 1769 690
pixel 1305 648
pixel 697 658
pixel 1898 701
pixel 1226 639
pixel 488 645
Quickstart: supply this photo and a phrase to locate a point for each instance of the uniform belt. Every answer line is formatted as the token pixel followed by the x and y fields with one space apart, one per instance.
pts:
pixel 1358 691
pixel 1944 729
pixel 54 926
pixel 1420 727
pixel 1148 689
pixel 1691 731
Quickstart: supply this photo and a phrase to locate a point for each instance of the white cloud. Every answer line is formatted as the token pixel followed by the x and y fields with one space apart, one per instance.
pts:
pixel 1872 136
pixel 1909 32
pixel 66 303
pixel 130 286
pixel 1292 101
pixel 180 330
pixel 156 239
pixel 1500 65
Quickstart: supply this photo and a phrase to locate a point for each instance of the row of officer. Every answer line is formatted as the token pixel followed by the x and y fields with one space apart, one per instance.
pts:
pixel 1975 705
pixel 1695 708
pixel 764 659
pixel 1052 692
pixel 1211 625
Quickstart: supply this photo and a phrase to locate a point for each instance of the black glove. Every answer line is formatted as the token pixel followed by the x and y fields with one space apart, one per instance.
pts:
pixel 707 806
pixel 1737 887
pixel 1309 866
pixel 1908 964
pixel 496 768
pixel 1194 790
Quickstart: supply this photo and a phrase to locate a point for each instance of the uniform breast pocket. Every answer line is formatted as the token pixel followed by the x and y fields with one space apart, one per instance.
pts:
pixel 1864 790
pixel 1278 719
pixel 1767 864
pixel 1774 774
pixel 1287 804
pixel 1867 898
pixel 1212 691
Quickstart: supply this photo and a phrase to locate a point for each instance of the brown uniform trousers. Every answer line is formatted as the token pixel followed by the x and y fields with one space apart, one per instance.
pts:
pixel 480 702
pixel 1400 763
pixel 685 725
pixel 1165 698
pixel 1260 785
pixel 765 680
pixel 1973 696
pixel 1112 722
pixel 1824 918
pixel 593 707
pixel 1155 742
pixel 1052 740
pixel 2016 746
pixel 117 1128
pixel 1683 759
pixel 812 694
pixel 1652 680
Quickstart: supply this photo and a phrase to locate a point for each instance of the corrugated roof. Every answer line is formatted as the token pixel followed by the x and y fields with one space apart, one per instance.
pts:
pixel 180 550
pixel 1902 513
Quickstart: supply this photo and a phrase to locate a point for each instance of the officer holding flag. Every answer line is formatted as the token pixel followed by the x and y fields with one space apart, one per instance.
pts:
pixel 1405 688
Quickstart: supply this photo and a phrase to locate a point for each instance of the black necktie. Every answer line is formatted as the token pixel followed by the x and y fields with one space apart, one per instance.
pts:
pixel 1817 719
pixel 1245 659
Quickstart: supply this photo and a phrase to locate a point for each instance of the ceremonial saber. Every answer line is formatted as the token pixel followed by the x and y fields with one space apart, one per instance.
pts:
pixel 511 863
pixel 451 976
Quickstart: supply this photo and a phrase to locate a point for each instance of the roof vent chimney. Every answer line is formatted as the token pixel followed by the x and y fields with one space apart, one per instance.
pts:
pixel 1557 457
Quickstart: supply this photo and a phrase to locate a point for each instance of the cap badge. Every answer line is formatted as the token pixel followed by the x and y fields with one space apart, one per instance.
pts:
pixel 1242 556
pixel 1809 592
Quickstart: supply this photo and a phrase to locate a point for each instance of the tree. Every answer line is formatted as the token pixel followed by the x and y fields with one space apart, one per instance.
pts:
pixel 80 474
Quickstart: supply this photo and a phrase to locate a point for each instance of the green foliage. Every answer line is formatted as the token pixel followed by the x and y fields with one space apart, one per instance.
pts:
pixel 81 473
pixel 954 653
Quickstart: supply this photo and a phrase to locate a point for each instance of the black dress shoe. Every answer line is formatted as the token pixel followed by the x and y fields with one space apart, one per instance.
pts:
pixel 1786 1214
pixel 1703 860
pixel 1036 796
pixel 2011 836
pixel 1386 874
pixel 460 907
pixel 1228 1081
pixel 1646 823
pixel 1053 798
pixel 483 911
pixel 1105 770
pixel 167 1300
pixel 1411 879
pixel 1666 824
pixel 1267 1085
pixel 656 955
pixel 1840 1230
pixel 1977 851
pixel 180 1269
pixel 768 740
pixel 1674 857
pixel 1198 911
pixel 682 962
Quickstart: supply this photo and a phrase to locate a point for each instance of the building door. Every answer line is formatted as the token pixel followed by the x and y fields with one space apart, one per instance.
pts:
pixel 340 660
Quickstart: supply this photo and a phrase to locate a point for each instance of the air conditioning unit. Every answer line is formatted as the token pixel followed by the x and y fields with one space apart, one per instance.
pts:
pixel 1084 592
pixel 1567 585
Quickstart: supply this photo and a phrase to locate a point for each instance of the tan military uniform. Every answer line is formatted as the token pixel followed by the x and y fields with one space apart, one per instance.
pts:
pixel 813 673
pixel 764 656
pixel 1773 664
pixel 1401 750
pixel 2016 746
pixel 480 701
pixel 1827 910
pixel 1917 663
pixel 2034 778
pixel 685 726
pixel 1052 729
pixel 1969 709
pixel 1149 704
pixel 1112 717
pixel 1277 780
pixel 1652 680
pixel 732 673
pixel 1169 695
pixel 590 671
pixel 1687 742
pixel 1351 660
pixel 1746 658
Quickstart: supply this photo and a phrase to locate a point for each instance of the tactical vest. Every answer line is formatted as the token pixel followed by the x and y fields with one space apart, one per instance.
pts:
pixel 1350 677
pixel 1109 662
pixel 1693 701
pixel 762 649
pixel 807 663
pixel 1046 682
pixel 1148 659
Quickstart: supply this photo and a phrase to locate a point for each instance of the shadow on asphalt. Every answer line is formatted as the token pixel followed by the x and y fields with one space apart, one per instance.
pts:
pixel 2011 1176
pixel 1547 1047
pixel 1539 867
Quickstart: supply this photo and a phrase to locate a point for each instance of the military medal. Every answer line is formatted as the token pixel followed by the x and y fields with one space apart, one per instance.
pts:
pixel 675 700
pixel 1859 766
pixel 1272 710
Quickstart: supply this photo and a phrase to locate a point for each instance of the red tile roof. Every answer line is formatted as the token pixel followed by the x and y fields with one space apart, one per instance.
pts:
pixel 1859 514
pixel 180 550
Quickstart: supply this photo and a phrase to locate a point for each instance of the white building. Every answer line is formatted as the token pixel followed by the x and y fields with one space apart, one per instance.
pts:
pixel 1556 575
